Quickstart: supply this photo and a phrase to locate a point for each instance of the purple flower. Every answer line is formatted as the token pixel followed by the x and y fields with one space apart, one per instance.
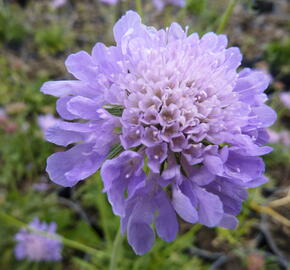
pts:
pixel 57 3
pixel 185 129
pixel 36 247
pixel 285 99
pixel 110 2
pixel 159 4
pixel 279 137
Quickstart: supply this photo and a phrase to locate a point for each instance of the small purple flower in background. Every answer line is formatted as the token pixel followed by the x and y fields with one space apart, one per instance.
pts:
pixel 42 185
pixel 160 4
pixel 279 137
pixel 175 129
pixel 285 99
pixel 57 3
pixel 47 121
pixel 110 2
pixel 35 247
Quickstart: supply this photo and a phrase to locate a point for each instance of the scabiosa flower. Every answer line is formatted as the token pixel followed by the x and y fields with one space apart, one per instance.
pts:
pixel 110 2
pixel 185 129
pixel 160 4
pixel 58 3
pixel 285 99
pixel 279 137
pixel 36 247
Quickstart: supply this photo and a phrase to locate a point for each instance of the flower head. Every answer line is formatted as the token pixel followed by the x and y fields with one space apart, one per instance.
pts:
pixel 158 4
pixel 36 247
pixel 57 3
pixel 110 2
pixel 185 129
pixel 282 137
pixel 285 99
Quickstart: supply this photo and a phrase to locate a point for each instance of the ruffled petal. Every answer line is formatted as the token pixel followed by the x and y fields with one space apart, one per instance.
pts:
pixel 166 221
pixel 84 108
pixel 121 174
pixel 210 207
pixel 140 234
pixel 183 206
pixel 81 65
pixel 70 167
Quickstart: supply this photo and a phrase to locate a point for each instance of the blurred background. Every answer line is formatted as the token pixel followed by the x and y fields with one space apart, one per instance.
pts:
pixel 36 36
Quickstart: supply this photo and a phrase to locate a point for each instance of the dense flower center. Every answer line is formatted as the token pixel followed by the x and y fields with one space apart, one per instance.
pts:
pixel 167 101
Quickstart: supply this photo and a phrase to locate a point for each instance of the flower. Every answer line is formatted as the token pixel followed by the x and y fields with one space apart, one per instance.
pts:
pixel 175 129
pixel 110 2
pixel 279 137
pixel 285 99
pixel 36 247
pixel 57 3
pixel 159 4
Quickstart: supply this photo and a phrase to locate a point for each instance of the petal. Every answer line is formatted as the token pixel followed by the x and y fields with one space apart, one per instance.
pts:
pixel 62 137
pixel 61 88
pixel 251 82
pixel 65 133
pixel 107 59
pixel 166 221
pixel 121 174
pixel 201 176
pixel 233 58
pixel 156 155
pixel 140 234
pixel 141 237
pixel 228 222
pixel 266 115
pixel 243 167
pixel 210 210
pixel 70 167
pixel 231 193
pixel 183 206
pixel 130 21
pixel 214 164
pixel 84 108
pixel 255 182
pixel 131 136
pixel 175 32
pixel 61 108
pixel 81 65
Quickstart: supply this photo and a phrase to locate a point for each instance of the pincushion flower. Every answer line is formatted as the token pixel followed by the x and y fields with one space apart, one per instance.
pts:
pixel 174 127
pixel 35 247
pixel 285 99
pixel 158 4
pixel 110 2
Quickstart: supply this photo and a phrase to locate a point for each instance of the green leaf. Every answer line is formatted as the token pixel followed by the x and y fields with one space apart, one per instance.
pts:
pixel 116 149
pixel 115 110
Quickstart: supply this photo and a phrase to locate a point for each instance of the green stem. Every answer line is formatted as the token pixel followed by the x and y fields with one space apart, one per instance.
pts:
pixel 116 250
pixel 167 15
pixel 227 14
pixel 67 242
pixel 138 4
